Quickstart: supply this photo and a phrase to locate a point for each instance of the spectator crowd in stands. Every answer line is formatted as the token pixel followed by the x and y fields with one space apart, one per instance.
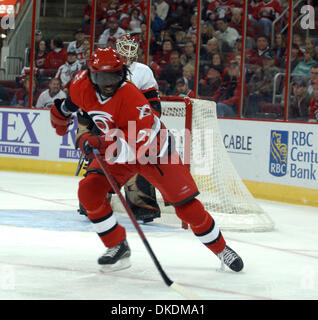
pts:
pixel 173 47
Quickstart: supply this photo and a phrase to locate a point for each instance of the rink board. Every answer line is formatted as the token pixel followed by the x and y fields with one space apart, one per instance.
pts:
pixel 276 160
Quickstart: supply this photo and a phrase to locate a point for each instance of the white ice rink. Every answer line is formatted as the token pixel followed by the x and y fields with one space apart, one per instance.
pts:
pixel 48 251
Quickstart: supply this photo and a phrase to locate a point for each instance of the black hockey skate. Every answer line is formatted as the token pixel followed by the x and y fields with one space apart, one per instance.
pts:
pixel 116 258
pixel 230 258
pixel 81 210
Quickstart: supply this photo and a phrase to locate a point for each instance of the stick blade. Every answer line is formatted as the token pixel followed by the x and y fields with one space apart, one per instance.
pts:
pixel 184 292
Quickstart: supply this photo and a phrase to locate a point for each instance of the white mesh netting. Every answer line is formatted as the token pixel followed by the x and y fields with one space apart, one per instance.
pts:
pixel 222 191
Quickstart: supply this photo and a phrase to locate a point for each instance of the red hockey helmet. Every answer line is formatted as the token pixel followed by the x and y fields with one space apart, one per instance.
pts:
pixel 105 60
pixel 105 67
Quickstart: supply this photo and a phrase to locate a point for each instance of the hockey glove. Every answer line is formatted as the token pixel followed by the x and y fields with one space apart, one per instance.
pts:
pixel 316 115
pixel 87 142
pixel 59 121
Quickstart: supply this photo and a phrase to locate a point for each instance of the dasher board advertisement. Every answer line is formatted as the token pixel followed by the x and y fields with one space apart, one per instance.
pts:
pixel 273 152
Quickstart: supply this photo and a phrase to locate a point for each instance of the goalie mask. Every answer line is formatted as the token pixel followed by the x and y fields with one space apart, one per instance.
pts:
pixel 106 70
pixel 127 47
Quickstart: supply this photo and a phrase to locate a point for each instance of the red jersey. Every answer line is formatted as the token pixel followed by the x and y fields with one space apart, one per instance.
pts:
pixel 40 60
pixel 131 4
pixel 222 8
pixel 268 10
pixel 55 59
pixel 126 110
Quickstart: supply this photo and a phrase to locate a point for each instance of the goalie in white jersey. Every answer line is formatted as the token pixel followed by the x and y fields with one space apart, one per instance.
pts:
pixel 140 195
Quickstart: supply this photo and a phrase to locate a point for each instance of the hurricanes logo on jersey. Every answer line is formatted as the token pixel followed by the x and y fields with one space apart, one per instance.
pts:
pixel 145 111
pixel 102 120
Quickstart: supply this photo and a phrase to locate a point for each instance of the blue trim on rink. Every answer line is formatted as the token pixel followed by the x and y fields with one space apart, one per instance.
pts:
pixel 68 220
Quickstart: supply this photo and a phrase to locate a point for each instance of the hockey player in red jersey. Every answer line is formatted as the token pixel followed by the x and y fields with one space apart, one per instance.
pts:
pixel 140 194
pixel 115 105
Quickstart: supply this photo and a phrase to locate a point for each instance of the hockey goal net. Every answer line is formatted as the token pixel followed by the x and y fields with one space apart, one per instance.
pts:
pixel 200 145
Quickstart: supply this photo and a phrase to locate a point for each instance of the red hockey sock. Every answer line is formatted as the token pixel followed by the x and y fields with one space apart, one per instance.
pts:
pixel 202 225
pixel 106 225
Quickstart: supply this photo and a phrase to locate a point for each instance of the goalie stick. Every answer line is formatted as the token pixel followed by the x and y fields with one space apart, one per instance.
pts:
pixel 171 284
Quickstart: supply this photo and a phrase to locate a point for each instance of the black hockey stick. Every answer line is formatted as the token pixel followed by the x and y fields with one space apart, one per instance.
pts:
pixel 178 288
pixel 80 164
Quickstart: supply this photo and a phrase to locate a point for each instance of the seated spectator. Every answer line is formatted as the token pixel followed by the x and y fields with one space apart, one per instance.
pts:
pixel 87 13
pixel 38 38
pixel 237 52
pixel 220 9
pixel 113 30
pixel 206 33
pixel 112 10
pixel 128 5
pixel 162 9
pixel 175 4
pixel 299 100
pixel 4 96
pixel 47 97
pixel 133 21
pixel 178 19
pixel 180 40
pixel 236 23
pixel 67 71
pixel 313 76
pixel 303 67
pixel 188 73
pixel 265 13
pixel 262 46
pixel 313 106
pixel 298 40
pixel 87 57
pixel 310 43
pixel 142 37
pixel 21 97
pixel 225 34
pixel 294 59
pixel 162 57
pixel 279 46
pixel 40 54
pixel 193 25
pixel 216 63
pixel 86 45
pixel 156 23
pixel 188 55
pixel 182 88
pixel 228 94
pixel 86 52
pixel 261 84
pixel 77 44
pixel 172 71
pixel 210 83
pixel 25 73
pixel 206 53
pixel 57 56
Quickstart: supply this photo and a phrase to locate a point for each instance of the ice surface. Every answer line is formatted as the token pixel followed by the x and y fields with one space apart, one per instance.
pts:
pixel 48 251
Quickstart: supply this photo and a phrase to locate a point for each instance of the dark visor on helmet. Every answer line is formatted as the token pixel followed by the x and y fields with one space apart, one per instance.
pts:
pixel 104 79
